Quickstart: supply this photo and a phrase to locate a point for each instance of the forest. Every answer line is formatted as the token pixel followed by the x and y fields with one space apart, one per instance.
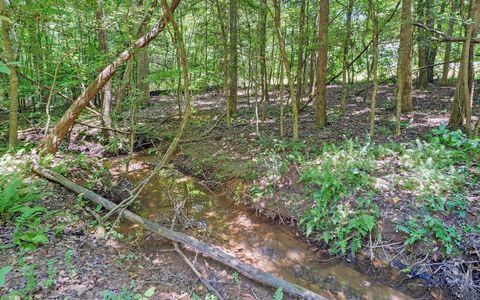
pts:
pixel 239 149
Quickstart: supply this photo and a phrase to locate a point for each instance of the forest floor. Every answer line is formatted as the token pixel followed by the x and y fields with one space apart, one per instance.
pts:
pixel 275 178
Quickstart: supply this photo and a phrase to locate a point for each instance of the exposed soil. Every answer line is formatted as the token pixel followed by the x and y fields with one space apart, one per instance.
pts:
pixel 224 161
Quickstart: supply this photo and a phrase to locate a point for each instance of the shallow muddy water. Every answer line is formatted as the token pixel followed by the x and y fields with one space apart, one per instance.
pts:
pixel 274 248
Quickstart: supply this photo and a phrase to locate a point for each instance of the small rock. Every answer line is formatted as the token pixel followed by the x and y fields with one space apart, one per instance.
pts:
pixel 297 269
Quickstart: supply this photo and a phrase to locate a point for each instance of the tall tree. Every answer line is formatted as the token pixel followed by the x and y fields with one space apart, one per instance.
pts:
pixel 301 42
pixel 422 46
pixel 461 113
pixel 286 65
pixel 233 70
pixel 13 91
pixel 321 91
pixel 346 48
pixel 262 36
pixel 373 17
pixel 143 64
pixel 224 30
pixel 53 140
pixel 404 68
pixel 107 93
pixel 448 46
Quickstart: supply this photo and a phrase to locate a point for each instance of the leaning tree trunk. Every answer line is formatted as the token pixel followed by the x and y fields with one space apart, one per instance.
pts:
pixel 461 113
pixel 13 94
pixel 53 140
pixel 404 69
pixel 321 91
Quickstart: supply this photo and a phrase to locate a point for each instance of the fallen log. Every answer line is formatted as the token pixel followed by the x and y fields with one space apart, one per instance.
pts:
pixel 188 241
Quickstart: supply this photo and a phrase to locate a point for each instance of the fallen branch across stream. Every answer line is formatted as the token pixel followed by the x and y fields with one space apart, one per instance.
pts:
pixel 188 241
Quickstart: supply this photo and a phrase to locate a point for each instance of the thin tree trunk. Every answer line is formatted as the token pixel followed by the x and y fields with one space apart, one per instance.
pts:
pixel 286 65
pixel 448 46
pixel 143 65
pixel 301 42
pixel 233 70
pixel 404 68
pixel 373 16
pixel 346 47
pixel 422 46
pixel 107 94
pixel 128 73
pixel 13 90
pixel 224 30
pixel 262 20
pixel 282 113
pixel 321 104
pixel 124 87
pixel 53 140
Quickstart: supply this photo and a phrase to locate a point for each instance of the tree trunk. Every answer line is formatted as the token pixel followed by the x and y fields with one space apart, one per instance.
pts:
pixel 224 30
pixel 422 47
pixel 128 73
pixel 143 65
pixel 301 42
pixel 53 140
pixel 322 60
pixel 311 75
pixel 262 28
pixel 431 48
pixel 373 16
pixel 286 65
pixel 282 110
pixel 124 87
pixel 404 69
pixel 461 112
pixel 107 94
pixel 346 47
pixel 13 90
pixel 233 70
pixel 448 46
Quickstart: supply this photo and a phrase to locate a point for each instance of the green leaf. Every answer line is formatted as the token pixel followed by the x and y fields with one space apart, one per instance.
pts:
pixel 150 292
pixel 4 69
pixel 40 239
pixel 3 272
pixel 5 18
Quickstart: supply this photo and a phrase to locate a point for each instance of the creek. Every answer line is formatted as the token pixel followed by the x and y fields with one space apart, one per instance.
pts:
pixel 218 220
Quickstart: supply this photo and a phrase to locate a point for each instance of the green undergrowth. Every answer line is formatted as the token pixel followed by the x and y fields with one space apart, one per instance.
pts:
pixel 18 197
pixel 349 187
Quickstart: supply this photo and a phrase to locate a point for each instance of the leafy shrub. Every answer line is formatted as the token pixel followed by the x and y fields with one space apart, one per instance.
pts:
pixel 341 174
pixel 454 139
pixel 431 227
pixel 15 199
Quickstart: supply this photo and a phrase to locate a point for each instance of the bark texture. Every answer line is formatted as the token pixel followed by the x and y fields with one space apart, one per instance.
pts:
pixel 53 140
pixel 13 89
pixel 321 91
pixel 404 69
